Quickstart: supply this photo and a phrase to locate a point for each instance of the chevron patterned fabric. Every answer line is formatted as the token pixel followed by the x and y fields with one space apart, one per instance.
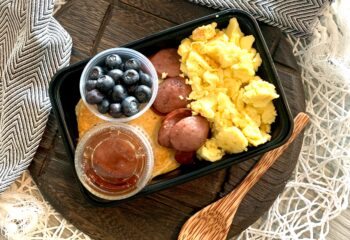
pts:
pixel 33 46
pixel 296 17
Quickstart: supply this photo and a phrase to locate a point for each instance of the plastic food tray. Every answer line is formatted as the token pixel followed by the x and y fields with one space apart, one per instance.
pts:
pixel 64 95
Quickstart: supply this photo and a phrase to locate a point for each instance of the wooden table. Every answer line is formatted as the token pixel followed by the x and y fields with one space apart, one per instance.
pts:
pixel 96 25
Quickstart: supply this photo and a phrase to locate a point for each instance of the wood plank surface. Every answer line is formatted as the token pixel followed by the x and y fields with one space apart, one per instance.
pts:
pixel 97 25
pixel 85 19
pixel 176 11
pixel 132 24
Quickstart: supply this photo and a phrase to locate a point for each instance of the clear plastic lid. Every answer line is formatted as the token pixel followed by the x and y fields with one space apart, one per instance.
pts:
pixel 124 53
pixel 114 161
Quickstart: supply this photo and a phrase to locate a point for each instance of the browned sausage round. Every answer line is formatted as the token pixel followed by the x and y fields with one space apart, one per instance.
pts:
pixel 172 94
pixel 169 121
pixel 167 61
pixel 184 157
pixel 189 134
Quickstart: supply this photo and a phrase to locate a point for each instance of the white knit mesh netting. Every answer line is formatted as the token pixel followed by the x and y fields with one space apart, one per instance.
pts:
pixel 24 215
pixel 319 188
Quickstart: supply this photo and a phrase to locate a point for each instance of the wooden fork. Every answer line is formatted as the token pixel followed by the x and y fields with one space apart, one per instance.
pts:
pixel 214 221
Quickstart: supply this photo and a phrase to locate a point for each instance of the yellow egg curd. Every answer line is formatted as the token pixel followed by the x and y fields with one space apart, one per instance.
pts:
pixel 221 66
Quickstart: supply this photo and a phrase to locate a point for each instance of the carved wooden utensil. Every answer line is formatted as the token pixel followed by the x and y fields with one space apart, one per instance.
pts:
pixel 213 222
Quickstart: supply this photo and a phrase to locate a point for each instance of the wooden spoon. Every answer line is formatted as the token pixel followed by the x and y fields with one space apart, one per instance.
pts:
pixel 214 221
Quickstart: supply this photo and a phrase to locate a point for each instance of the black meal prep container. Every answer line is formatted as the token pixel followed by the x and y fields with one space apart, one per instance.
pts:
pixel 64 95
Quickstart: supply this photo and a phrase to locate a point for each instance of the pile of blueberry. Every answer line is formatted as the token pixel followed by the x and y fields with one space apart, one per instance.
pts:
pixel 118 87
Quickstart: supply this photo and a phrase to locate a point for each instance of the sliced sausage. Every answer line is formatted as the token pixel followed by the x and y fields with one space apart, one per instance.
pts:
pixel 169 121
pixel 167 60
pixel 184 157
pixel 172 94
pixel 189 134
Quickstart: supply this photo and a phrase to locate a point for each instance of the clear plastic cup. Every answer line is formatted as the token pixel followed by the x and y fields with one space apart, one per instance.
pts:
pixel 114 161
pixel 124 53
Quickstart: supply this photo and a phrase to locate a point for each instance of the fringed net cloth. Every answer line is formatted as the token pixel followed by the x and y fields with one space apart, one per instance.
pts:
pixel 317 192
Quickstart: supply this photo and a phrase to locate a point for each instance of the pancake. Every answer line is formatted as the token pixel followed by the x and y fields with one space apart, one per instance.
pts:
pixel 164 158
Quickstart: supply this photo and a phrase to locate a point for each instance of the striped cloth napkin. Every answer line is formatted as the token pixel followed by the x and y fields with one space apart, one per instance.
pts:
pixel 33 46
pixel 296 17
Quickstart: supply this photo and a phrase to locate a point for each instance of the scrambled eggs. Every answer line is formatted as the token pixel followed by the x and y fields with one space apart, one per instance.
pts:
pixel 220 67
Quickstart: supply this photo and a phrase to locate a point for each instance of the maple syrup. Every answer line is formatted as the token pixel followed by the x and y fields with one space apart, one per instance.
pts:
pixel 114 161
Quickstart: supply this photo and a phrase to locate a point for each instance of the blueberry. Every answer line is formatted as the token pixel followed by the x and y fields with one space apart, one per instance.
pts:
pixel 103 107
pixel 113 61
pixel 94 96
pixel 130 77
pixel 145 79
pixel 90 85
pixel 116 74
pixel 105 83
pixel 115 110
pixel 143 93
pixel 130 106
pixel 96 72
pixel 105 70
pixel 132 63
pixel 118 93
pixel 131 89
pixel 109 95
pixel 122 67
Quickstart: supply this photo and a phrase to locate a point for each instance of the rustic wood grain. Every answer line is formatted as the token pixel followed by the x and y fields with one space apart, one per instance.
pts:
pixel 176 11
pixel 83 20
pixel 127 24
pixel 97 25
